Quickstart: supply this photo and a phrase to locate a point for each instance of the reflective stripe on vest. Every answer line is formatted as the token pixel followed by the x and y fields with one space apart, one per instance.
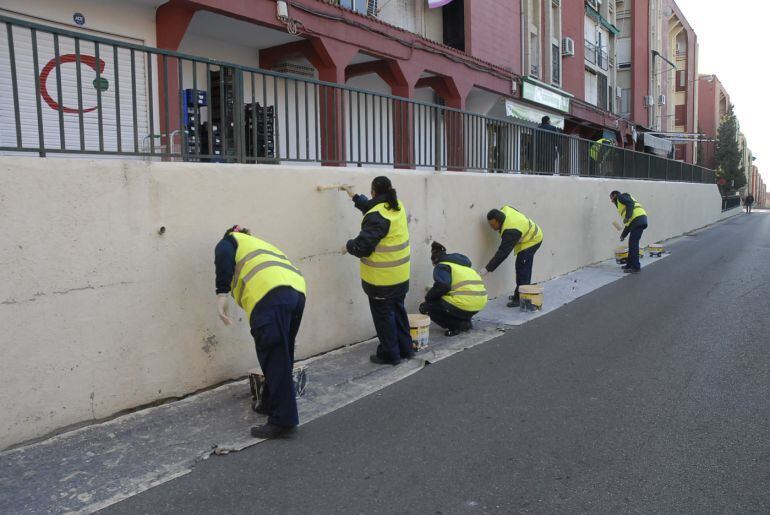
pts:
pixel 260 267
pixel 531 234
pixel 467 290
pixel 389 263
pixel 636 213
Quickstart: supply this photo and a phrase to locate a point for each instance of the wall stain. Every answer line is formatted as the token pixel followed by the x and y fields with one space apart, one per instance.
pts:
pixel 209 344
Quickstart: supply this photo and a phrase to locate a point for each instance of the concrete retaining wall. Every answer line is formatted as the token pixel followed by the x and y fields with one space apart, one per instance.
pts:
pixel 102 313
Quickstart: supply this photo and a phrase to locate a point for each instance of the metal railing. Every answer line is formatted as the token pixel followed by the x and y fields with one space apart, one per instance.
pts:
pixel 69 93
pixel 731 202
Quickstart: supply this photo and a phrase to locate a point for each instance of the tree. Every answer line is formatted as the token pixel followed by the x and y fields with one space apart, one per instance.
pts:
pixel 728 156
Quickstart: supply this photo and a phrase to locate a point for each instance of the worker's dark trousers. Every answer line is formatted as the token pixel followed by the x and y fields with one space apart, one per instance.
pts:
pixel 633 247
pixel 441 315
pixel 392 325
pixel 524 261
pixel 274 325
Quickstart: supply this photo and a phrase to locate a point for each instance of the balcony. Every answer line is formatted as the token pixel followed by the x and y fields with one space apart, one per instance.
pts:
pixel 590 52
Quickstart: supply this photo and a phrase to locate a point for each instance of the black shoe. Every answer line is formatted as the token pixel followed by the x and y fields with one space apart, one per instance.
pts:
pixel 627 267
pixel 514 303
pixel 374 358
pixel 451 332
pixel 273 431
pixel 260 408
pixel 511 297
pixel 466 326
pixel 632 270
pixel 407 356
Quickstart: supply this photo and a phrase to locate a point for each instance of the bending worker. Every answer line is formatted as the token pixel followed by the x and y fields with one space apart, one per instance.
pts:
pixel 271 291
pixel 457 294
pixel 635 221
pixel 383 248
pixel 519 233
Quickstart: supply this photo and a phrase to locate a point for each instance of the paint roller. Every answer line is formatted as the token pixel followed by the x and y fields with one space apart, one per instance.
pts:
pixel 340 187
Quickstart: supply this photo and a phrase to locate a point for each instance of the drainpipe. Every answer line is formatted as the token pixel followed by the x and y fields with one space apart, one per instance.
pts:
pixel 522 23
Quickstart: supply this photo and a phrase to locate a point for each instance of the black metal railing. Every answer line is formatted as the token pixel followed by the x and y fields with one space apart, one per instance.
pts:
pixel 75 94
pixel 731 202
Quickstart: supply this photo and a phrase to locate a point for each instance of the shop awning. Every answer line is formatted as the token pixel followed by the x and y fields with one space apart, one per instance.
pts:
pixel 530 114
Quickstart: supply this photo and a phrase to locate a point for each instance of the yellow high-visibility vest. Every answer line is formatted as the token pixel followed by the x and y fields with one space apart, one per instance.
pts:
pixel 636 213
pixel 467 290
pixel 531 234
pixel 593 152
pixel 388 265
pixel 259 268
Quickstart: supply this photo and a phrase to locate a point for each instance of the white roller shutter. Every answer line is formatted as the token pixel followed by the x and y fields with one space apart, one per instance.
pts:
pixel 132 93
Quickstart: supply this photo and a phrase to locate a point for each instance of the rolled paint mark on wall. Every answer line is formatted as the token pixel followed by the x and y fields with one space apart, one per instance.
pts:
pixel 93 412
pixel 209 344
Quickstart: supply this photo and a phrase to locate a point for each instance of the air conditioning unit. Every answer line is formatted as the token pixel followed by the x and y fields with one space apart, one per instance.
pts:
pixel 662 100
pixel 567 47
pixel 649 101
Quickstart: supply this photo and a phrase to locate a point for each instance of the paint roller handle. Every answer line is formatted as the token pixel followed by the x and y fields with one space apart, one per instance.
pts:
pixel 348 188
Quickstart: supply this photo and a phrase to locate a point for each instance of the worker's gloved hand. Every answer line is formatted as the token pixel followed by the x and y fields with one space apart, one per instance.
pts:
pixel 349 190
pixel 622 238
pixel 483 272
pixel 222 308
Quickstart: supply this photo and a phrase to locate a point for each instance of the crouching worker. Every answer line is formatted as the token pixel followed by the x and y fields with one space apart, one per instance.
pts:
pixel 271 291
pixel 457 294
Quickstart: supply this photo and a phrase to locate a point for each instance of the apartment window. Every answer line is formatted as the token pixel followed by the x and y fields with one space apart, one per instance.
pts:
pixel 602 92
pixel 591 87
pixel 533 29
pixel 555 43
pixel 453 15
pixel 556 64
pixel 359 6
pixel 681 80
pixel 680 115
pixel 534 55
pixel 625 101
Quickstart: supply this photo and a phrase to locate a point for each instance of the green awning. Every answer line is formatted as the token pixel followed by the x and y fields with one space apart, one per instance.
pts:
pixel 593 13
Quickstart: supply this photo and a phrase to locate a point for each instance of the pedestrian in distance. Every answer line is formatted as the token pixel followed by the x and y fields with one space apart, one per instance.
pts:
pixel 518 233
pixel 271 290
pixel 635 222
pixel 383 249
pixel 748 202
pixel 547 147
pixel 457 294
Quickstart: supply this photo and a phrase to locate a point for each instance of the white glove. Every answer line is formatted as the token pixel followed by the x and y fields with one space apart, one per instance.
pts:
pixel 483 272
pixel 349 190
pixel 222 308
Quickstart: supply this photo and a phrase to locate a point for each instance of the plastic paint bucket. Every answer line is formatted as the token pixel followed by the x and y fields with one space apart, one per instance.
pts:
pixel 419 328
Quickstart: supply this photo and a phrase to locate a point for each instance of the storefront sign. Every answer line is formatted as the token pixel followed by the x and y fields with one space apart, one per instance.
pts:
pixel 544 96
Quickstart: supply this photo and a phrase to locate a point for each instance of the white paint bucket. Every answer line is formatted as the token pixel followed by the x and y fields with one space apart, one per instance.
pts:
pixel 419 328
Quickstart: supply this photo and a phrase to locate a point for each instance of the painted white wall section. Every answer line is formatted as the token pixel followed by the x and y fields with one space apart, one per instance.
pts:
pixel 101 313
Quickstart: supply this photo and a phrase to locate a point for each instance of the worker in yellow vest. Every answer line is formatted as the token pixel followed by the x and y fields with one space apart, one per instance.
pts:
pixel 457 294
pixel 518 233
pixel 271 290
pixel 635 221
pixel 598 152
pixel 383 249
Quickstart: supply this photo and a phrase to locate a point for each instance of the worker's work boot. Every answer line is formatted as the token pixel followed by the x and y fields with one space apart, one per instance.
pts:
pixel 631 270
pixel 514 303
pixel 273 431
pixel 377 360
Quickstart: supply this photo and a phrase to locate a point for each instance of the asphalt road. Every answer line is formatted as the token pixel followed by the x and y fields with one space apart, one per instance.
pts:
pixel 650 395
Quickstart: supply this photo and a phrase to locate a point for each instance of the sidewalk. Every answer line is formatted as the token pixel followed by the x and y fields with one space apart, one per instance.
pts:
pixel 96 466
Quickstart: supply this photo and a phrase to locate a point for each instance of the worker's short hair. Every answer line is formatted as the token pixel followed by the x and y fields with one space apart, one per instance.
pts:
pixel 545 119
pixel 495 214
pixel 614 193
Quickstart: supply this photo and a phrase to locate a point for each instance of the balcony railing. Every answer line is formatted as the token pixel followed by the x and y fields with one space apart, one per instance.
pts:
pixel 590 52
pixel 67 93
